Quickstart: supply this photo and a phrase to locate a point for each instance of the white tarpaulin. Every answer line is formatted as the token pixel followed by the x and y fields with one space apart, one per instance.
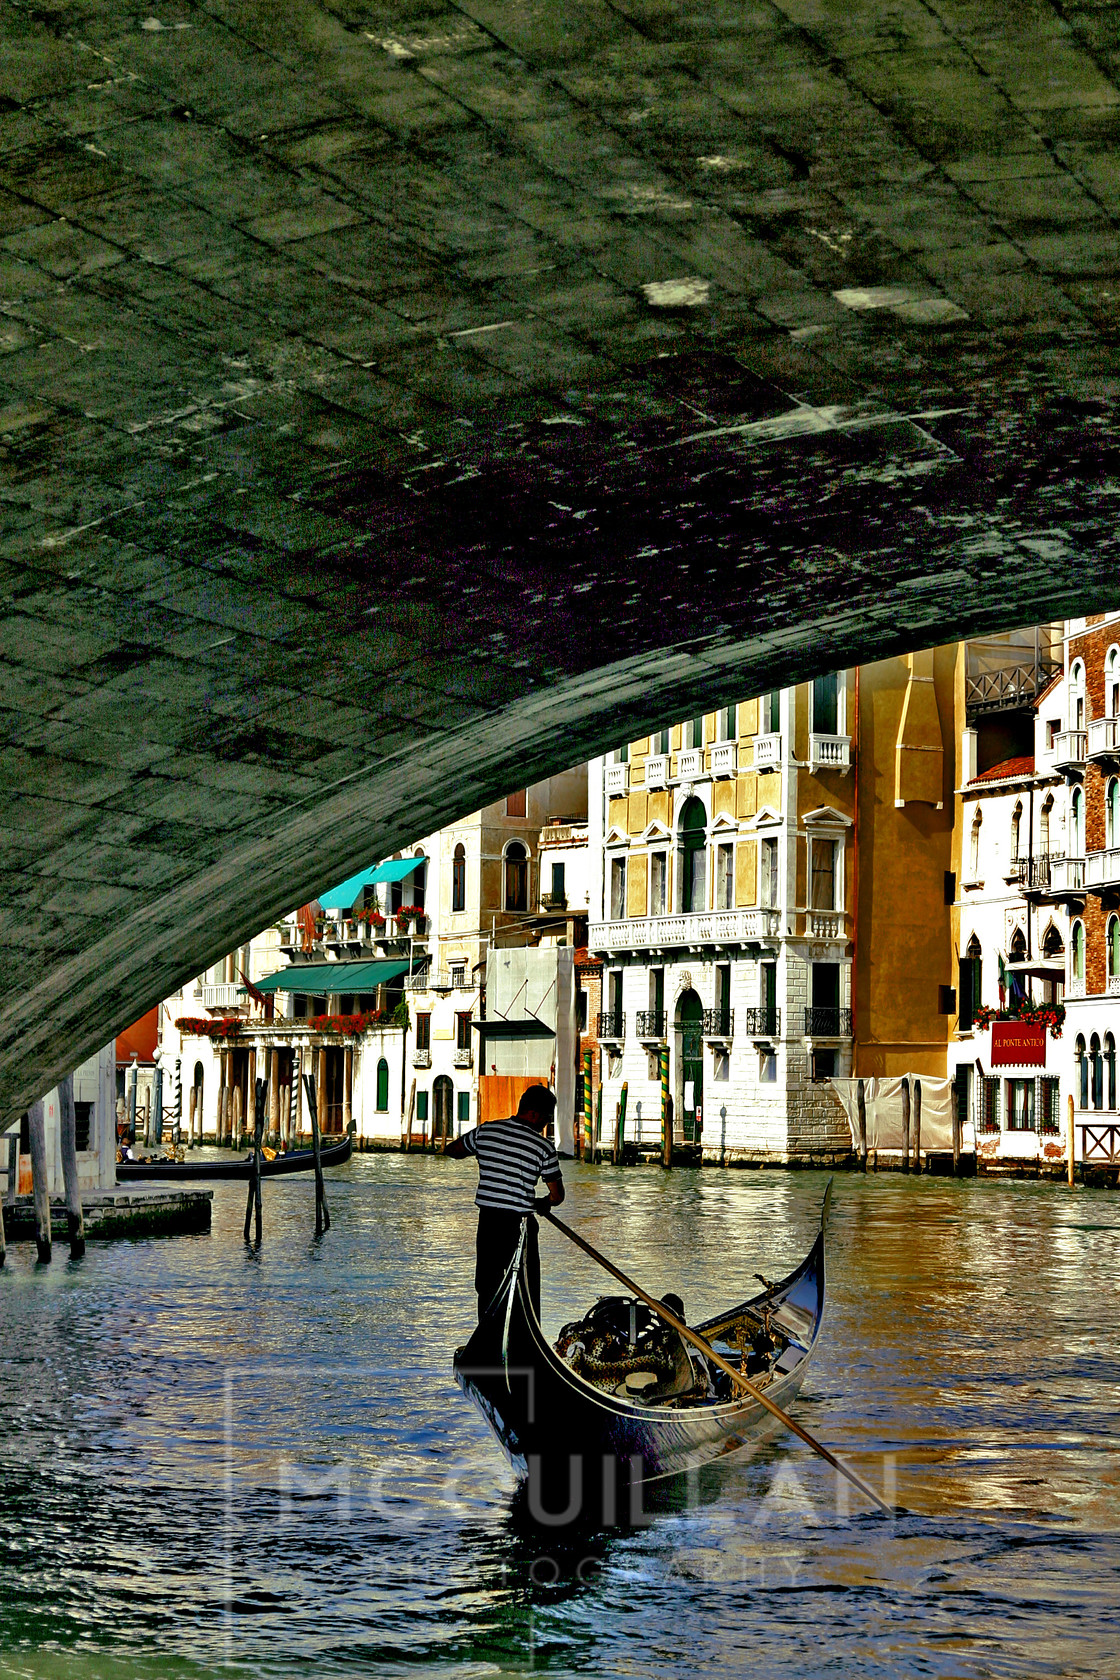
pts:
pixel 882 1100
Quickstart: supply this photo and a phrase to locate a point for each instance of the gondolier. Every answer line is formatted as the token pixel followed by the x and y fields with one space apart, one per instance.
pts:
pixel 512 1155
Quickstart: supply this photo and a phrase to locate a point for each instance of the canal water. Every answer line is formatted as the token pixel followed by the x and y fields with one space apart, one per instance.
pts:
pixel 214 1458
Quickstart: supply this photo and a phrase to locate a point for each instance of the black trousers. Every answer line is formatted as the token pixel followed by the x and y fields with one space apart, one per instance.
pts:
pixel 498 1235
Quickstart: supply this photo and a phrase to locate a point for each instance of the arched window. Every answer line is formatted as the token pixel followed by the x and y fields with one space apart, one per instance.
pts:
pixel 1112 814
pixel 1112 683
pixel 1077 695
pixel 1096 1072
pixel 1113 947
pixel 459 878
pixel 1082 1072
pixel 1110 1068
pixel 1016 820
pixel 974 846
pixel 969 996
pixel 516 876
pixel 1076 809
pixel 693 856
pixel 382 1086
pixel 1053 946
pixel 1077 951
pixel 419 881
pixel 1044 825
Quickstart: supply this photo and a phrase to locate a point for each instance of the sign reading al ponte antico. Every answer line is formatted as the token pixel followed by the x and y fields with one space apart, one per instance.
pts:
pixel 1018 1044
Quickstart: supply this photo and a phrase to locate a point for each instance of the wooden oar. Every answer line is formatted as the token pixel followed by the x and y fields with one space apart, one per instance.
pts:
pixel 709 1352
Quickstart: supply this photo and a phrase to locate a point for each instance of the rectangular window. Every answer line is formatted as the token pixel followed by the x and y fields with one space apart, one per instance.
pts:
pixel 767 1067
pixel 768 996
pixel 581 1010
pixel 721 1066
pixel 1020 1105
pixel 423 1032
pixel 658 879
pixel 989 1104
pixel 723 996
pixel 614 992
pixel 83 1121
pixel 463 1116
pixel 618 889
pixel 825 704
pixel 950 887
pixel 515 804
pixel 558 880
pixel 459 976
pixel 726 726
pixel 771 712
pixel 463 1030
pixel 657 990
pixel 824 1065
pixel 694 885
pixel 1053 730
pixel 946 1000
pixel 725 877
pixel 768 885
pixel 621 755
pixel 1049 1119
pixel 822 885
pixel 696 732
pixel 661 741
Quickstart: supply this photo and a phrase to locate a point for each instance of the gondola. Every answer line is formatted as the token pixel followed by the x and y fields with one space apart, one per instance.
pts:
pixel 653 1410
pixel 297 1160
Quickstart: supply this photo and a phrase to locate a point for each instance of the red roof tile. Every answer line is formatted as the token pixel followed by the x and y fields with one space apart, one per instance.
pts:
pixel 1009 770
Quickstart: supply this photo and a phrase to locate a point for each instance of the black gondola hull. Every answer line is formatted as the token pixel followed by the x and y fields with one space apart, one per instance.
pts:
pixel 297 1160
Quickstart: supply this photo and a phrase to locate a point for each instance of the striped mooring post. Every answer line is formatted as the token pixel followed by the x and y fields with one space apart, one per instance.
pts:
pixel 588 1111
pixel 666 1123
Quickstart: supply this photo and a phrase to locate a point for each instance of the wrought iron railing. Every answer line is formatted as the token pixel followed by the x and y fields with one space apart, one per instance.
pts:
pixel 763 1023
pixel 823 1022
pixel 719 1023
pixel 650 1023
pixel 610 1023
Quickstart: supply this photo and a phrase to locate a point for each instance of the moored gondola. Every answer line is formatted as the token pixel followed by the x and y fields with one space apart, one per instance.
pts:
pixel 296 1160
pixel 619 1386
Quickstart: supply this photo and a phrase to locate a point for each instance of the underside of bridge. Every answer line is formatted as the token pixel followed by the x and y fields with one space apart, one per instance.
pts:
pixel 399 403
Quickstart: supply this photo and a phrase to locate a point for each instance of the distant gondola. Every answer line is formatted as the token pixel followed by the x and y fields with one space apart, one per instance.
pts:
pixel 297 1160
pixel 652 1410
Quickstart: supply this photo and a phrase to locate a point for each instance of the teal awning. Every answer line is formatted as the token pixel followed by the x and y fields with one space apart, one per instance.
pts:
pixel 343 897
pixel 316 979
pixel 397 868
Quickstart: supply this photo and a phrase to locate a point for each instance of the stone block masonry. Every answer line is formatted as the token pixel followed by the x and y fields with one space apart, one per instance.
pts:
pixel 139 1211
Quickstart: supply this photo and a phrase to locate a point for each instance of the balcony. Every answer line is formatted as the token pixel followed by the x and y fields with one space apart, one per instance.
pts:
pixel 616 779
pixel 658 933
pixel 657 771
pixel 1069 749
pixel 719 1024
pixel 650 1023
pixel 421 981
pixel 554 901
pixel 226 996
pixel 763 1023
pixel 422 1058
pixel 725 758
pixel 610 1024
pixel 1103 741
pixel 464 1057
pixel 828 1023
pixel 829 752
pixel 690 764
pixel 825 924
pixel 767 752
pixel 1050 875
pixel 1102 869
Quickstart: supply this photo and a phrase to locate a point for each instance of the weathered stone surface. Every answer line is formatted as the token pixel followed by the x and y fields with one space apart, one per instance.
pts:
pixel 398 403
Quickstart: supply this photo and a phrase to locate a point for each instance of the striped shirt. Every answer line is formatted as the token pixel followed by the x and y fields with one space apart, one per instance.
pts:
pixel 511 1157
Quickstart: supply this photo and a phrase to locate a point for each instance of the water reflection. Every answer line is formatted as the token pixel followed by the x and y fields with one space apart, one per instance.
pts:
pixel 214 1457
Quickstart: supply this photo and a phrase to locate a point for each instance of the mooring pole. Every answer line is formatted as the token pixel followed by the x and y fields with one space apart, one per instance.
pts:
pixel 619 1127
pixel 322 1215
pixel 253 1205
pixel 37 1136
pixel 905 1123
pixel 666 1111
pixel 955 1106
pixel 861 1117
pixel 68 1140
pixel 155 1111
pixel 917 1125
pixel 132 1102
pixel 1069 1144
pixel 597 1141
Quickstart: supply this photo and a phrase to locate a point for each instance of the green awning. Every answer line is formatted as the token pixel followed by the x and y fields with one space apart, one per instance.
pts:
pixel 317 979
pixel 343 897
pixel 396 869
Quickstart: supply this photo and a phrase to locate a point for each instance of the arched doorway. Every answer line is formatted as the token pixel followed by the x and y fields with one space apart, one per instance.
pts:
pixel 689 1094
pixel 443 1096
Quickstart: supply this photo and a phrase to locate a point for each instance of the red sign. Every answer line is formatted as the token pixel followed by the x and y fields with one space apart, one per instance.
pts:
pixel 1018 1044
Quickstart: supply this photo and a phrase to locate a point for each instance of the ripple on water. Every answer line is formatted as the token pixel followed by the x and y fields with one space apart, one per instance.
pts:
pixel 211 1456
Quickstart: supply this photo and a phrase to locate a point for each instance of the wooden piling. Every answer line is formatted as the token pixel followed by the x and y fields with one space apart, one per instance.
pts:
pixel 192 1116
pixel 905 1124
pixel 274 1098
pixel 75 1225
pixel 861 1118
pixel 321 1088
pixel 322 1216
pixel 1070 1135
pixel 37 1135
pixel 917 1125
pixel 955 1109
pixel 154 1134
pixel 253 1205
pixel 597 1140
pixel 132 1103
pixel 619 1126
pixel 347 1087
pixel 238 1119
pixel 666 1110
pixel 406 1143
